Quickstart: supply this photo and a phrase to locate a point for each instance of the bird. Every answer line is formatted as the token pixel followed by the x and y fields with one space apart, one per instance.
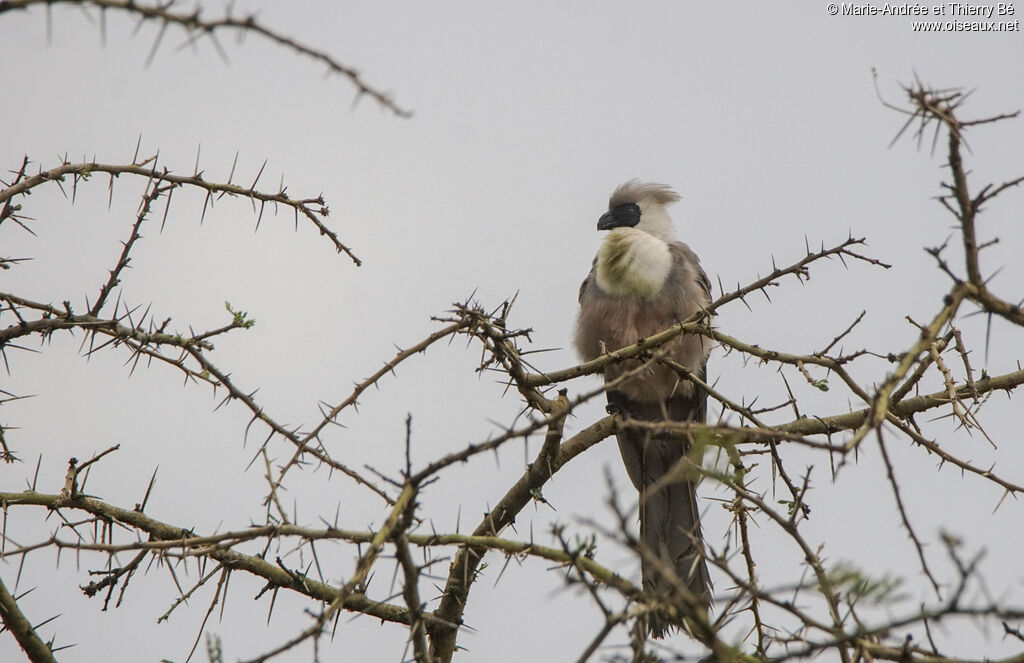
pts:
pixel 642 282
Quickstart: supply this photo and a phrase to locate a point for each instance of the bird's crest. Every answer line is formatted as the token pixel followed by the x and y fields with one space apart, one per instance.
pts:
pixel 634 191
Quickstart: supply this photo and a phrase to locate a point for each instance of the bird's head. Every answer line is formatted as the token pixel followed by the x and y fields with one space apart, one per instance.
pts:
pixel 641 205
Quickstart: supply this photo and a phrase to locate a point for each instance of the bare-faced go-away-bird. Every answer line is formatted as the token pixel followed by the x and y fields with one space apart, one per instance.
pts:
pixel 642 282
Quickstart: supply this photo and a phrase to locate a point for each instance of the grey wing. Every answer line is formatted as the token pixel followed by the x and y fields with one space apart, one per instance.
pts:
pixel 587 281
pixel 705 283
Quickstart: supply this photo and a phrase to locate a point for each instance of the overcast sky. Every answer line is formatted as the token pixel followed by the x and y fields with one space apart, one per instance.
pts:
pixel 764 116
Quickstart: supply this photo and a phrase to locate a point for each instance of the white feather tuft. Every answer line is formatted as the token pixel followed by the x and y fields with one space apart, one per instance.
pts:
pixel 633 263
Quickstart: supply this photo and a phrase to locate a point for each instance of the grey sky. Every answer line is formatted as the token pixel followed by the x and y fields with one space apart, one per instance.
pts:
pixel 763 116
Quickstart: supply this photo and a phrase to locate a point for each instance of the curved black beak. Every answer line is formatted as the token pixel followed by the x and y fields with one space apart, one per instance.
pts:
pixel 627 216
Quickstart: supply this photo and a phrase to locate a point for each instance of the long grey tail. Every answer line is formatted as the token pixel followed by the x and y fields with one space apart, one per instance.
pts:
pixel 670 530
pixel 669 515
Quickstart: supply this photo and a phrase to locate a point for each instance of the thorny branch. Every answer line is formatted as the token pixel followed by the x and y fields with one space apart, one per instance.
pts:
pixel 313 210
pixel 196 27
pixel 828 609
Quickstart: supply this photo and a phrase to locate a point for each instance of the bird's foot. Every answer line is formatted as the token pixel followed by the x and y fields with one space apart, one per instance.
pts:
pixel 615 408
pixel 617 405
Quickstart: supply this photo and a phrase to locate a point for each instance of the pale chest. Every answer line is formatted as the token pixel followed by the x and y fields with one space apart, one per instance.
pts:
pixel 632 263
